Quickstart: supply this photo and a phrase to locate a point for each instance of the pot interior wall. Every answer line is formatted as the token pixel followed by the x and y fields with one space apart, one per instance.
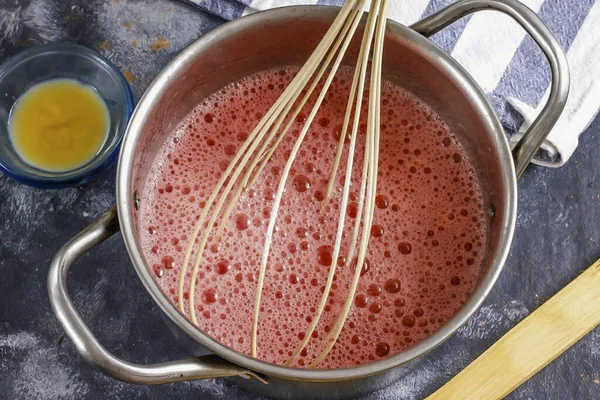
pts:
pixel 247 48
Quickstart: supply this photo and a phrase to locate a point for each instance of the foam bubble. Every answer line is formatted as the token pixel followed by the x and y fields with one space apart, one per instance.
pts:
pixel 426 241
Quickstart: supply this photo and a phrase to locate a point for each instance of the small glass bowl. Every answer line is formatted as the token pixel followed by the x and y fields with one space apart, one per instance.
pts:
pixel 56 61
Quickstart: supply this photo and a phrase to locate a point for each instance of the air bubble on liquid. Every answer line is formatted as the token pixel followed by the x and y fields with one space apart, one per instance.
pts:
pixel 403 214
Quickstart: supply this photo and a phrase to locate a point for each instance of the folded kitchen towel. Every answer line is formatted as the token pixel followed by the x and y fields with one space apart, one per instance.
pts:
pixel 503 59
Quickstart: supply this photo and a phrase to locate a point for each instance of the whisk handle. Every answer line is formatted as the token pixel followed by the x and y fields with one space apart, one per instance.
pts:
pixel 526 148
pixel 87 345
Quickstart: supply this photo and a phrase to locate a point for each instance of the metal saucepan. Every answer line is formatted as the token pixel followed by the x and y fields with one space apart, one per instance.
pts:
pixel 286 36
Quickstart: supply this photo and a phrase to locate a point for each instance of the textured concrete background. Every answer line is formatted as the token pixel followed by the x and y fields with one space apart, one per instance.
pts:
pixel 557 237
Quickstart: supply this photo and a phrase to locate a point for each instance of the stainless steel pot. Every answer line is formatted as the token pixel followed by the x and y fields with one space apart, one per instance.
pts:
pixel 282 37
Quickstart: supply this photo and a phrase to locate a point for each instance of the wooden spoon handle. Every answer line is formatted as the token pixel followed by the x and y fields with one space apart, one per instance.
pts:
pixel 532 344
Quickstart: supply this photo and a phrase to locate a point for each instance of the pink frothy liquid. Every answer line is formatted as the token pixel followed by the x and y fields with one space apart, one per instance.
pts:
pixel 427 239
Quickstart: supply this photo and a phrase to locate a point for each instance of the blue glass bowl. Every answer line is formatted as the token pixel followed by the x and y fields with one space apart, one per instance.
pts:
pixel 55 61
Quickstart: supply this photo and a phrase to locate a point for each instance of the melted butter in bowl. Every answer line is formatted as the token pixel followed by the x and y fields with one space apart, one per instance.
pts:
pixel 64 110
pixel 59 125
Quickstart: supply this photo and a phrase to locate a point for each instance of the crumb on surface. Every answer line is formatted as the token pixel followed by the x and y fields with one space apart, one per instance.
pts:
pixel 129 76
pixel 160 44
pixel 104 45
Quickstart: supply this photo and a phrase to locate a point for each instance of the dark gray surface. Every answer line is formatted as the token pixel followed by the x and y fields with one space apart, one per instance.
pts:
pixel 557 237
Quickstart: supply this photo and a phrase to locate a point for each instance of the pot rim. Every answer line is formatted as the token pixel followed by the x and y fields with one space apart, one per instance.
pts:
pixel 417 43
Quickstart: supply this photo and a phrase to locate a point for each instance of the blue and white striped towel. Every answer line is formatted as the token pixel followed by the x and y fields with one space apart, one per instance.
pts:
pixel 503 59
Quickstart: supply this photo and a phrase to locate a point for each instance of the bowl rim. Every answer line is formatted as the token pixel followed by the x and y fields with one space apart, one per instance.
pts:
pixel 412 40
pixel 109 158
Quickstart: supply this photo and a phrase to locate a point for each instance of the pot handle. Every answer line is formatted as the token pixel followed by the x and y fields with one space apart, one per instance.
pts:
pixel 87 345
pixel 526 148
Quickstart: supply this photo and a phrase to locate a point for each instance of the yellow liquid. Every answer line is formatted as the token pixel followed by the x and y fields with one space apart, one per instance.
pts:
pixel 59 125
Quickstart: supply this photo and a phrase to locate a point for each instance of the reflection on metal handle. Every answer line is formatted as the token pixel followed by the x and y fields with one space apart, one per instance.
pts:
pixel 559 89
pixel 86 343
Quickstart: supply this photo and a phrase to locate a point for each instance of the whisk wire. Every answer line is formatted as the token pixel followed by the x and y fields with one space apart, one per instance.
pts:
pixel 283 180
pixel 358 81
pixel 264 155
pixel 252 157
pixel 373 132
pixel 245 153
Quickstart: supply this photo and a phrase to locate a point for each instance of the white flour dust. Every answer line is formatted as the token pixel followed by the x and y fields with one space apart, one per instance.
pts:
pixel 90 304
pixel 594 341
pixel 20 341
pixel 135 32
pixel 41 17
pixel 25 205
pixel 9 25
pixel 215 387
pixel 124 22
pixel 493 320
pixel 40 374
pixel 409 387
pixel 429 374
